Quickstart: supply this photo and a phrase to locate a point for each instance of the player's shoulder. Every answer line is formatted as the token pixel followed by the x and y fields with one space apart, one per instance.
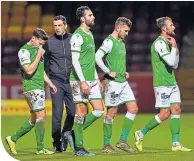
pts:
pixel 160 43
pixel 108 42
pixel 76 37
pixel 23 51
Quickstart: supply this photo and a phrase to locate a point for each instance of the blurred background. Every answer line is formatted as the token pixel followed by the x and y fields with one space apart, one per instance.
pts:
pixel 19 19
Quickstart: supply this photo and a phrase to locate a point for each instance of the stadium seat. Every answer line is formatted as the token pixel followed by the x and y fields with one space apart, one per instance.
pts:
pixel 47 19
pixel 17 21
pixel 27 32
pixel 14 32
pixel 20 3
pixel 3 33
pixel 4 20
pixel 33 10
pixel 49 29
pixel 18 11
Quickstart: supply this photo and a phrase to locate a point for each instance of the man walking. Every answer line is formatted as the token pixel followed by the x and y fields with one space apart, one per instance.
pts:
pixel 58 62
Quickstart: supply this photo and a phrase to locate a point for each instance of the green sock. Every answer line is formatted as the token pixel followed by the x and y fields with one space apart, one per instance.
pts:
pixel 25 128
pixel 39 131
pixel 175 127
pixel 154 122
pixel 107 128
pixel 127 125
pixel 89 119
pixel 78 131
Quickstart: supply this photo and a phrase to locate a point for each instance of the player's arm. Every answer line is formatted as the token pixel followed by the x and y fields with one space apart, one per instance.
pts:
pixel 168 57
pixel 102 51
pixel 175 66
pixel 28 66
pixel 50 84
pixel 76 42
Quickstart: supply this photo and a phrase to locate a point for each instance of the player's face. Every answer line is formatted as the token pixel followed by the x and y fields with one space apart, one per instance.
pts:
pixel 37 41
pixel 170 27
pixel 89 18
pixel 59 27
pixel 123 31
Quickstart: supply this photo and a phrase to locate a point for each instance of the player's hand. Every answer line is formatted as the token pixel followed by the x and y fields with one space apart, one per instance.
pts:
pixel 112 74
pixel 53 88
pixel 41 51
pixel 100 85
pixel 85 88
pixel 127 75
pixel 171 41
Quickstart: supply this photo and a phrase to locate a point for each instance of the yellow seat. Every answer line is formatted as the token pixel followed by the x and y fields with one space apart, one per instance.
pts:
pixel 14 32
pixel 18 11
pixel 33 10
pixel 49 29
pixel 27 32
pixel 17 21
pixel 47 19
pixel 20 3
pixel 4 21
pixel 32 20
pixel 3 33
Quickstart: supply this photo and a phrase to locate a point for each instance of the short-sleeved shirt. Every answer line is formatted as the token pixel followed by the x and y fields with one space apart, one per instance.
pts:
pixel 83 43
pixel 27 55
pixel 115 57
pixel 163 74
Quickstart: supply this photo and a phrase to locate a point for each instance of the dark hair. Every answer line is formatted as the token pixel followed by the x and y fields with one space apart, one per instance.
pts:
pixel 80 11
pixel 161 21
pixel 123 21
pixel 60 17
pixel 40 33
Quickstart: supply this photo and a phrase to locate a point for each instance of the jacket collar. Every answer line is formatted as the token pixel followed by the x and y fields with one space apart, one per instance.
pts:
pixel 60 37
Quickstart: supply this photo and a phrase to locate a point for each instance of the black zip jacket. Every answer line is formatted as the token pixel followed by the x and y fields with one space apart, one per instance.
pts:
pixel 58 60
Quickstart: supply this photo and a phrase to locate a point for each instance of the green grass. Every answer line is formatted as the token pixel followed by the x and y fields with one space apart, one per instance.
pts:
pixel 157 143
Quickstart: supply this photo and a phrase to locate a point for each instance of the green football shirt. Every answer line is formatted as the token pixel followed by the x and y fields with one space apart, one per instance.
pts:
pixel 115 57
pixel 163 74
pixel 27 55
pixel 83 43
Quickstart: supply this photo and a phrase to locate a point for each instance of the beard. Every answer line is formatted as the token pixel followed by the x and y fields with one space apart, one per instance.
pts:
pixel 172 34
pixel 90 24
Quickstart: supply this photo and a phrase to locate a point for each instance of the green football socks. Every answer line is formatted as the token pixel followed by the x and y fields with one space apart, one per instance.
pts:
pixel 25 128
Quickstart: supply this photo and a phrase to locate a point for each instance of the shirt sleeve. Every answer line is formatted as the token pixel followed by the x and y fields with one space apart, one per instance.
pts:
pixel 24 57
pixel 161 48
pixel 76 42
pixel 106 46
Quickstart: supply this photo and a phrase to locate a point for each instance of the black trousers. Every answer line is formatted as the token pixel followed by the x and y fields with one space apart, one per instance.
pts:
pixel 63 96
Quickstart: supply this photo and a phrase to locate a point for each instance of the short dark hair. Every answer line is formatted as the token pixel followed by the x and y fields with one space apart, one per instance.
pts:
pixel 80 11
pixel 161 21
pixel 123 21
pixel 40 33
pixel 60 17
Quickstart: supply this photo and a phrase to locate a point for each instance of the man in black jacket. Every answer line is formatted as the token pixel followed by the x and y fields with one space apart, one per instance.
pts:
pixel 58 63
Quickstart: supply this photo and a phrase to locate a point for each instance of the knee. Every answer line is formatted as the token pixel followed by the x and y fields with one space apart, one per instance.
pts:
pixel 164 115
pixel 176 110
pixel 111 114
pixel 133 109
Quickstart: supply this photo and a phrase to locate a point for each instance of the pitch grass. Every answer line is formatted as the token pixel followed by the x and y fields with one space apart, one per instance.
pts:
pixel 157 143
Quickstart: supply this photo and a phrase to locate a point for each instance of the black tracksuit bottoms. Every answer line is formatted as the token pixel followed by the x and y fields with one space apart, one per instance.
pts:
pixel 61 97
